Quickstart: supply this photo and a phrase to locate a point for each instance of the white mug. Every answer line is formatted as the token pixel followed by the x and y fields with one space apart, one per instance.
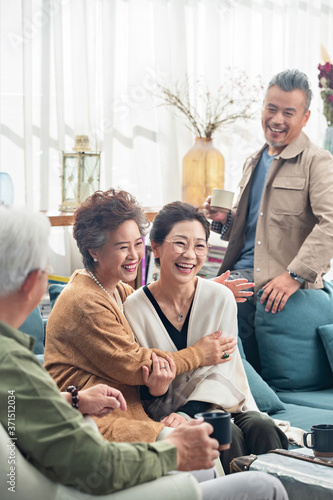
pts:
pixel 221 199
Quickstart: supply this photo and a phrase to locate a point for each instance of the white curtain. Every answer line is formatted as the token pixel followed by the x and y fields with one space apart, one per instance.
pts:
pixel 73 67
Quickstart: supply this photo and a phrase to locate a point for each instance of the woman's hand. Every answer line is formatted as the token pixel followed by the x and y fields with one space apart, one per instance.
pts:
pixel 162 374
pixel 236 286
pixel 173 420
pixel 100 400
pixel 215 347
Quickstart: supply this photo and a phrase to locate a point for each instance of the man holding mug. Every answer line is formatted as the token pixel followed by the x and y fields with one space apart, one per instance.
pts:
pixel 280 231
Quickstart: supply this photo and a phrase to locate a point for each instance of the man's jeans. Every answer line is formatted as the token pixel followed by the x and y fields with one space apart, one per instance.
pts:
pixel 246 315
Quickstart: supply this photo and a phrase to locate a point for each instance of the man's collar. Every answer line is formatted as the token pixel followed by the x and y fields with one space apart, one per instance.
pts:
pixel 290 151
pixel 296 147
pixel 20 337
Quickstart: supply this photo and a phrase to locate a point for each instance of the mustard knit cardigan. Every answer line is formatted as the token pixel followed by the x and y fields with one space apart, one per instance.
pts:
pixel 89 341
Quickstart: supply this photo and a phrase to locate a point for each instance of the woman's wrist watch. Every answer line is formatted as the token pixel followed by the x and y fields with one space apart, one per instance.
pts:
pixel 295 276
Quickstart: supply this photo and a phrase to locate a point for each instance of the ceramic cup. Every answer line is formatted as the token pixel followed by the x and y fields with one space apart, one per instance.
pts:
pixel 221 421
pixel 221 200
pixel 321 439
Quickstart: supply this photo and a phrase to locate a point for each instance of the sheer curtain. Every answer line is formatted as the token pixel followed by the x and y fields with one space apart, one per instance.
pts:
pixel 71 67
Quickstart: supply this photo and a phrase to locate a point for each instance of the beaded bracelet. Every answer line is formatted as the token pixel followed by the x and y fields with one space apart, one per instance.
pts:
pixel 75 396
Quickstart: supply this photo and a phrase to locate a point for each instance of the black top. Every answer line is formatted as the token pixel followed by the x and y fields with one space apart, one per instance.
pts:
pixel 179 338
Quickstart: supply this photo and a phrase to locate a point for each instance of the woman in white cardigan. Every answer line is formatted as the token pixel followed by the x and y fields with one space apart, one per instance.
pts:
pixel 178 309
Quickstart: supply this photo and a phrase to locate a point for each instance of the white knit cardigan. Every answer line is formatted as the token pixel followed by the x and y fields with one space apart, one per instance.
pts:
pixel 225 385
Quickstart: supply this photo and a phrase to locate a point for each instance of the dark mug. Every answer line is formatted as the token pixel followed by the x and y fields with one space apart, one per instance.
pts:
pixel 221 421
pixel 321 439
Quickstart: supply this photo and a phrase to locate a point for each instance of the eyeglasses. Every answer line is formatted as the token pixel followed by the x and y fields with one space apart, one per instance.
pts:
pixel 181 246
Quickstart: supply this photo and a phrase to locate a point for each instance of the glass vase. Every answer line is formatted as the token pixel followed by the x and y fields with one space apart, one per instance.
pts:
pixel 203 170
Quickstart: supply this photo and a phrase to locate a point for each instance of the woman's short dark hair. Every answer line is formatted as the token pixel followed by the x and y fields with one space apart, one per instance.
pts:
pixel 171 214
pixel 102 213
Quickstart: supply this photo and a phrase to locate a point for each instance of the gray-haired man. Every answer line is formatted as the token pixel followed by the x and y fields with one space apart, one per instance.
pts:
pixel 280 231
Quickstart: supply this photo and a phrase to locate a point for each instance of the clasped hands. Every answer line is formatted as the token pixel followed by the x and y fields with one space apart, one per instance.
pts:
pixel 101 399
pixel 163 371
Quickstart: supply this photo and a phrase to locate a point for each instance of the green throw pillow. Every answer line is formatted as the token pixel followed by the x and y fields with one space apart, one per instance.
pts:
pixel 291 353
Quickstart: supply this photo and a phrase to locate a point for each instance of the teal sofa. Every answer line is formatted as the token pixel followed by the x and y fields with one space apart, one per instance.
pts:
pixel 295 348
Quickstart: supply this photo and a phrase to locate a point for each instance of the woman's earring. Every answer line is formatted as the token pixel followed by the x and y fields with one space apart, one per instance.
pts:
pixel 95 260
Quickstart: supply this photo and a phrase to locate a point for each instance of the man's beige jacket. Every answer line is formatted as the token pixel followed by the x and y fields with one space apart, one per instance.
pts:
pixel 295 220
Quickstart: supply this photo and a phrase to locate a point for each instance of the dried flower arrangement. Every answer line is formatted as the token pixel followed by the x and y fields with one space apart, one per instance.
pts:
pixel 206 112
pixel 325 78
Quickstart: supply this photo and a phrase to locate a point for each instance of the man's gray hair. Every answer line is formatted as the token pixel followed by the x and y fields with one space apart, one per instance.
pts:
pixel 292 79
pixel 24 245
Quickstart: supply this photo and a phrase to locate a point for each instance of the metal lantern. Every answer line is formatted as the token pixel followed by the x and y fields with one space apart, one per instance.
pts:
pixel 80 175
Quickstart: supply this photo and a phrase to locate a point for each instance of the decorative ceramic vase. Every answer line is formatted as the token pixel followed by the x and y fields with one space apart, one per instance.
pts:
pixel 203 170
pixel 328 141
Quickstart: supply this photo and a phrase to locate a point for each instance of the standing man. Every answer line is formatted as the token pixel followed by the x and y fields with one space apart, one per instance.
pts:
pixel 280 231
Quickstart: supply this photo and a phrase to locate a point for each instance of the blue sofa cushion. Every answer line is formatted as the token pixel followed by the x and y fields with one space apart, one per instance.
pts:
pixel 266 399
pixel 314 399
pixel 291 353
pixel 54 292
pixel 34 326
pixel 326 335
pixel 304 417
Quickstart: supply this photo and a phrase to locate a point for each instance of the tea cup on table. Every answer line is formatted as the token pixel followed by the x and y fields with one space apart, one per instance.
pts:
pixel 221 422
pixel 321 440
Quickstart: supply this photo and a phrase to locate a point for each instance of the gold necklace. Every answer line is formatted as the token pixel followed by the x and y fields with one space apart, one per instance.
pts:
pixel 180 314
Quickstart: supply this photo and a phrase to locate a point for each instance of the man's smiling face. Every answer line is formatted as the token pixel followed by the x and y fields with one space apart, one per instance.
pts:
pixel 283 117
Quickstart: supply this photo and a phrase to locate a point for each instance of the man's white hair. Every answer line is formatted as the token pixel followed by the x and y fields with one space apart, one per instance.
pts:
pixel 24 244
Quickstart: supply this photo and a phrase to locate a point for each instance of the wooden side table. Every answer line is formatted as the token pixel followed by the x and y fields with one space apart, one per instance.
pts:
pixel 60 218
pixel 67 218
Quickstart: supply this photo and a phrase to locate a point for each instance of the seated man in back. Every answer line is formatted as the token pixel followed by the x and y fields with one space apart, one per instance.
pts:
pixel 52 434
